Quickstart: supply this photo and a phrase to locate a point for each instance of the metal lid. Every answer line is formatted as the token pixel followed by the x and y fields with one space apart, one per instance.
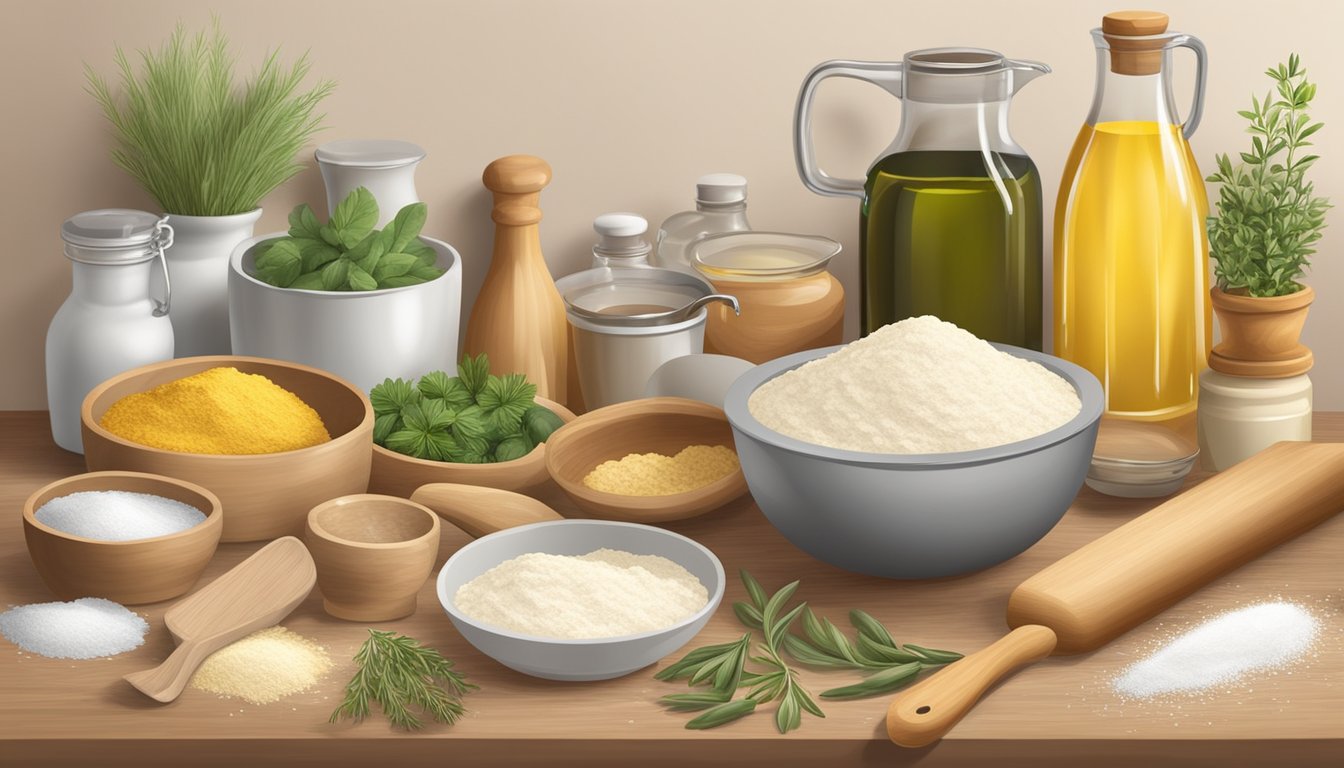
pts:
pixel 635 296
pixel 113 228
pixel 369 153
pixel 721 188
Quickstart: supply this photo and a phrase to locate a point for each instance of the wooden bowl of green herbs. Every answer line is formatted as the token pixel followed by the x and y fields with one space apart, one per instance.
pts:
pixel 473 429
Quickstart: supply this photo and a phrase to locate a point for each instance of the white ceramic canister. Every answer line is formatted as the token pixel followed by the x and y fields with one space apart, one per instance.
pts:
pixel 628 321
pixel 361 336
pixel 199 260
pixel 1240 416
pixel 384 167
pixel 110 323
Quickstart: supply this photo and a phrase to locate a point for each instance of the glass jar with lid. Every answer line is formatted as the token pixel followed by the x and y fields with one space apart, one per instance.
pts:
pixel 110 323
pixel 789 302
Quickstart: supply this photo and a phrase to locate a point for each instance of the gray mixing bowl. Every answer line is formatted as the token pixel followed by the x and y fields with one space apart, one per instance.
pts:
pixel 597 659
pixel 916 516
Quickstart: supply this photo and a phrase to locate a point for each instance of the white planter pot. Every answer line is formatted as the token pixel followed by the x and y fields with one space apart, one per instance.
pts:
pixel 361 336
pixel 198 267
pixel 386 168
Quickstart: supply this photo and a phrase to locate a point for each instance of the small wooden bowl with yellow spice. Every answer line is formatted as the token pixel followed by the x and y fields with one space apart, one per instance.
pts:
pixel 256 443
pixel 675 485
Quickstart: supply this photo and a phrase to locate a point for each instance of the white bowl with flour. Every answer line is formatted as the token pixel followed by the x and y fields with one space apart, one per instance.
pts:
pixel 909 515
pixel 598 658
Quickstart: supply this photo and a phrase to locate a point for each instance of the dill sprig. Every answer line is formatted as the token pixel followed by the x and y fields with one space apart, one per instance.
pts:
pixel 197 144
pixel 399 673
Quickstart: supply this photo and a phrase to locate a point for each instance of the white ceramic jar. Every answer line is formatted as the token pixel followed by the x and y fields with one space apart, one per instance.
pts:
pixel 109 324
pixel 384 167
pixel 1241 416
pixel 199 260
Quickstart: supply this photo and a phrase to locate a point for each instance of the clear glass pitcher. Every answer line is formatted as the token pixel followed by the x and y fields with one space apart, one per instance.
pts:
pixel 1131 252
pixel 951 217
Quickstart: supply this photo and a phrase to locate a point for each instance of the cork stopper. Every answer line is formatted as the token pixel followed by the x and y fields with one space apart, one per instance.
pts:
pixel 516 181
pixel 1125 31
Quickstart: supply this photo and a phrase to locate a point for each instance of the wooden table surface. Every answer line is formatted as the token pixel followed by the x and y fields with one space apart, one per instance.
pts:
pixel 1060 711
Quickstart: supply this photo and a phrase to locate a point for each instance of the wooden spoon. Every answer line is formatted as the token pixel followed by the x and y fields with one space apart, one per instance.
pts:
pixel 479 510
pixel 255 594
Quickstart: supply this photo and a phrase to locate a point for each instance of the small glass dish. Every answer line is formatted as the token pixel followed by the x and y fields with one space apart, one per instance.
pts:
pixel 1138 460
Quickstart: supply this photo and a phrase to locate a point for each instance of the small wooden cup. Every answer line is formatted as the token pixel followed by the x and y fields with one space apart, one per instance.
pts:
pixel 373 554
pixel 651 425
pixel 130 572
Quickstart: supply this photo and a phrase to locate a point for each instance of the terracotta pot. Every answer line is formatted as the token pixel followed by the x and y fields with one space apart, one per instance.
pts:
pixel 1261 329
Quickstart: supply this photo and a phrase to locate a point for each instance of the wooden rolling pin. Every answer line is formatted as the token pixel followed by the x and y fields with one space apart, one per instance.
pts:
pixel 1133 573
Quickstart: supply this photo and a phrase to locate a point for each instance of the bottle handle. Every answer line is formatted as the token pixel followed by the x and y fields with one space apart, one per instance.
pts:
pixel 1201 79
pixel 885 75
pixel 163 240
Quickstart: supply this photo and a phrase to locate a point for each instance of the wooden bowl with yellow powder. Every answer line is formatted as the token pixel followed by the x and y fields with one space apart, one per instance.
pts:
pixel 626 433
pixel 396 474
pixel 261 451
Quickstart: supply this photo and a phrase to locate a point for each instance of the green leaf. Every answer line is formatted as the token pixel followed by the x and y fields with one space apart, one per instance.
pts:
pixel 423 252
pixel 406 226
pixel 471 422
pixel 317 254
pixel 335 274
pixel 692 702
pixel 474 373
pixel 281 264
pixel 310 281
pixel 505 399
pixel 511 448
pixel 424 273
pixel 884 681
pixel 361 280
pixel 754 589
pixel 393 395
pixel 933 655
pixel 393 265
pixel 354 217
pixel 789 715
pixel 303 223
pixel 747 615
pixel 385 425
pixel 427 415
pixel 722 715
pixel 410 442
pixel 540 422
pixel 870 627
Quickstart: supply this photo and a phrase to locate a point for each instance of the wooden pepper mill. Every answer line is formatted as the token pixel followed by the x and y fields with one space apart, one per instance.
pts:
pixel 519 318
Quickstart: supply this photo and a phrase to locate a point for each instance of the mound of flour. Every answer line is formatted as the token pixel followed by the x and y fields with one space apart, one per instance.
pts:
pixel 917 386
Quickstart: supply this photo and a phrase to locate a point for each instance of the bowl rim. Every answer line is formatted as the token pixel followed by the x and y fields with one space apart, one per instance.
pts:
pixel 213 517
pixel 354 498
pixel 526 460
pixel 86 407
pixel 716 591
pixel 647 503
pixel 241 250
pixel 1084 383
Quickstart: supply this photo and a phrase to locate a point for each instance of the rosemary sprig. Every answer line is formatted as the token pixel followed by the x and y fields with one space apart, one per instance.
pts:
pixel 397 672
pixel 723 668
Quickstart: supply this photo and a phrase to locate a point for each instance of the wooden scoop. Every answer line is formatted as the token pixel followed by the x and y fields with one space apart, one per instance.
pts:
pixel 479 510
pixel 257 593
pixel 1132 573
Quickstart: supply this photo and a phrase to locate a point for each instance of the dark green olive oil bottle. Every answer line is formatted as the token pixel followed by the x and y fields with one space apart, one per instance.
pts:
pixel 956 234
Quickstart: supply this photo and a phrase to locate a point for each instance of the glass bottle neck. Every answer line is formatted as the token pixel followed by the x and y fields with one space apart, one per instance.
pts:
pixel 110 284
pixel 1132 98
pixel 975 126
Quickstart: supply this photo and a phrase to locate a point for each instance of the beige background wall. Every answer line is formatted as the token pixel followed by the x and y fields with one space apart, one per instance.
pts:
pixel 629 101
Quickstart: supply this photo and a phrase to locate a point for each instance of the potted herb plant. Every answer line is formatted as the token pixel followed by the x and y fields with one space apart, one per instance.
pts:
pixel 366 304
pixel 1264 232
pixel 208 151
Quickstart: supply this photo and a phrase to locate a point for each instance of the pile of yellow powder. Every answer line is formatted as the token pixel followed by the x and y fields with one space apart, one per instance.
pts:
pixel 263 667
pixel 653 474
pixel 218 411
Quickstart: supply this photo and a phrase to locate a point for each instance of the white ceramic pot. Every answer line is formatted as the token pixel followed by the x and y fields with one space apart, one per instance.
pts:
pixel 384 167
pixel 361 336
pixel 198 267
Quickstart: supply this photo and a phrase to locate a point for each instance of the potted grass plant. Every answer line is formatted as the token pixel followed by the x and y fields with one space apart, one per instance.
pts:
pixel 1267 222
pixel 208 150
